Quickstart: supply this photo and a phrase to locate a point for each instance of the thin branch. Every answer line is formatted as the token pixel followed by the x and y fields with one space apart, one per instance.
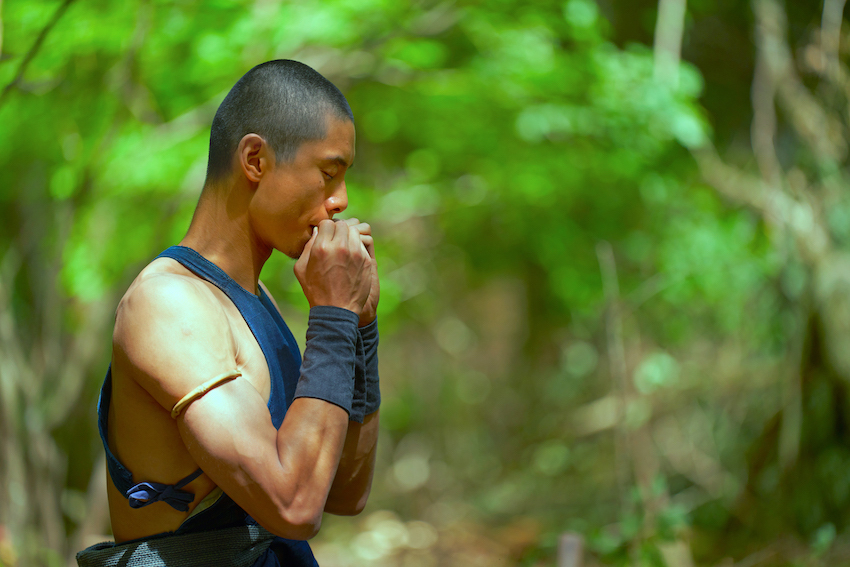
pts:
pixel 1 29
pixel 22 68
pixel 790 432
pixel 830 34
pixel 667 46
pixel 570 550
pixel 779 209
pixel 616 360
pixel 763 128
pixel 812 122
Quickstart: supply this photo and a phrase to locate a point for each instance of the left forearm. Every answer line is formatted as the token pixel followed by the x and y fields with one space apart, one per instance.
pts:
pixel 353 479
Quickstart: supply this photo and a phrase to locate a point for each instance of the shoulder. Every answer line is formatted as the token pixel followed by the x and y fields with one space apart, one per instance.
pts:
pixel 171 333
pixel 158 294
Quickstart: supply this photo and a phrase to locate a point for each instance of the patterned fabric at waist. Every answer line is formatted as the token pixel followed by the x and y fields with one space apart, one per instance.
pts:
pixel 238 546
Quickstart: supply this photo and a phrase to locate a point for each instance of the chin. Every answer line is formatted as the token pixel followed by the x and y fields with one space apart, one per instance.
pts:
pixel 294 254
pixel 295 251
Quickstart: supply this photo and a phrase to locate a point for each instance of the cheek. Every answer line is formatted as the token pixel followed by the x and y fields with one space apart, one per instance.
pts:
pixel 313 201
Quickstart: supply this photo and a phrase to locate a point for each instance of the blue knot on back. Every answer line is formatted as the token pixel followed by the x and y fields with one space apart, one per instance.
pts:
pixel 146 493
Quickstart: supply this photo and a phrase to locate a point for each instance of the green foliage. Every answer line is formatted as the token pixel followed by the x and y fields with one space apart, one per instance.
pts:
pixel 501 145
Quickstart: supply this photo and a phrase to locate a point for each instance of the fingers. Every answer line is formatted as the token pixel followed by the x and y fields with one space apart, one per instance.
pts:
pixel 362 227
pixel 325 231
pixel 353 235
pixel 354 242
pixel 369 244
pixel 349 233
pixel 364 230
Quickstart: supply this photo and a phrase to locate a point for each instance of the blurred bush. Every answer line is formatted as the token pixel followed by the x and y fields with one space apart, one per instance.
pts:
pixel 614 298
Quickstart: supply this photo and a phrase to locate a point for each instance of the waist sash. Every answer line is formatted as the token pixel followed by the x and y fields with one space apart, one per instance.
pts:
pixel 238 546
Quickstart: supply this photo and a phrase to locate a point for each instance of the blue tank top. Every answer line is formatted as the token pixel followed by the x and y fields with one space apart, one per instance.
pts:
pixel 284 362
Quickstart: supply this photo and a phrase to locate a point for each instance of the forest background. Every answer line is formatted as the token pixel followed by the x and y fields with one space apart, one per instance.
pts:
pixel 614 243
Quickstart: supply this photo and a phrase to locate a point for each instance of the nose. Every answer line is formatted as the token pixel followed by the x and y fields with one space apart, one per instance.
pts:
pixel 338 201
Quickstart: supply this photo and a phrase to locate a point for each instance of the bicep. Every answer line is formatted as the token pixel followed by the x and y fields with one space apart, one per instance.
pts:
pixel 229 433
pixel 283 486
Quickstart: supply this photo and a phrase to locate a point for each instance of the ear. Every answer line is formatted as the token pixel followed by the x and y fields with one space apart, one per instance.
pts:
pixel 254 157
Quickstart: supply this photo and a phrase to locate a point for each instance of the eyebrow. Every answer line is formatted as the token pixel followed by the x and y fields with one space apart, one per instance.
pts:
pixel 340 160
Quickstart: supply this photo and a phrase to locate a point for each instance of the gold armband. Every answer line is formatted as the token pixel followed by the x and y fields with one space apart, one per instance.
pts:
pixel 203 389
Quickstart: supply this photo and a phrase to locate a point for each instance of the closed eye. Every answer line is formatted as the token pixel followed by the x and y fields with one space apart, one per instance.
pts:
pixel 328 174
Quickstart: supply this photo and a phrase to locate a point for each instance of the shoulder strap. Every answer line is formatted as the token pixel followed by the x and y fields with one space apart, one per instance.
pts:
pixel 143 493
pixel 121 477
pixel 279 347
pixel 205 269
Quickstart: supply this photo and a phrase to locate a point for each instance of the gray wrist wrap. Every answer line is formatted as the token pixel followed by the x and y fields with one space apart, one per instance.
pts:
pixel 327 370
pixel 367 394
pixel 369 335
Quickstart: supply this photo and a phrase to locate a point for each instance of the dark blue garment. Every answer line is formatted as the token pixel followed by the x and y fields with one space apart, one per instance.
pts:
pixel 284 362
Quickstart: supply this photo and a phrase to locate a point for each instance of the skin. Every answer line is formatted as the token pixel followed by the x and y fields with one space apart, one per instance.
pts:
pixel 174 331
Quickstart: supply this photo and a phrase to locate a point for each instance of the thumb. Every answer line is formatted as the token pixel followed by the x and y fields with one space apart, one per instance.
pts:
pixel 301 263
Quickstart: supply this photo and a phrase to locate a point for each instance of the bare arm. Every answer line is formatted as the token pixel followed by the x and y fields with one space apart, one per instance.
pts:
pixel 175 335
pixel 175 338
pixel 281 478
pixel 353 480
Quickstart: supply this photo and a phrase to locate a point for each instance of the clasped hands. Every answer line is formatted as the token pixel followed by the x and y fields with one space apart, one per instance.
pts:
pixel 337 267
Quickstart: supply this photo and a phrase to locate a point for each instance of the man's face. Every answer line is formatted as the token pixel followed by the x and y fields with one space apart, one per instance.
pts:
pixel 296 196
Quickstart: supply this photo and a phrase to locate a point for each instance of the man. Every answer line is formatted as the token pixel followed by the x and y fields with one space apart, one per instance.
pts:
pixel 211 423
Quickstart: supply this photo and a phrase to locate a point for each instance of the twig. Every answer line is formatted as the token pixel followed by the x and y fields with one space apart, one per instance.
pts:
pixel 570 550
pixel 763 128
pixel 775 205
pixel 792 412
pixel 758 557
pixel 667 46
pixel 616 360
pixel 1 29
pixel 814 124
pixel 830 35
pixel 30 55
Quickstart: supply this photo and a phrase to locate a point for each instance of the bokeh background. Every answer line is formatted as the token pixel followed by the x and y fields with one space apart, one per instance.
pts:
pixel 614 243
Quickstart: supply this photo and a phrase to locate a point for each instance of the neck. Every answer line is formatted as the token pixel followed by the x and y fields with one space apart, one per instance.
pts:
pixel 221 232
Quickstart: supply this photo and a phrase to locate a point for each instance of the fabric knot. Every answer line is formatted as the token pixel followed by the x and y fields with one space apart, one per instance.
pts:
pixel 146 493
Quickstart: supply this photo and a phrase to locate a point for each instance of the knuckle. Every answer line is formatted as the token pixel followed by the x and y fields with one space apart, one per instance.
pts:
pixel 335 252
pixel 320 250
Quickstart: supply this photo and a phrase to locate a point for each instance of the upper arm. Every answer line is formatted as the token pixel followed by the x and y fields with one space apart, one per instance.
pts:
pixel 172 335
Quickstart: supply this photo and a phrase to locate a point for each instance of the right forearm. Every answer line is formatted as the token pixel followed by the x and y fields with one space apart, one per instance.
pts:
pixel 311 439
pixel 310 444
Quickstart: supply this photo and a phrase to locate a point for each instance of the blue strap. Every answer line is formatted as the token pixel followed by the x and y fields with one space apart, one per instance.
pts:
pixel 146 493
pixel 276 341
pixel 122 478
pixel 143 493
pixel 278 346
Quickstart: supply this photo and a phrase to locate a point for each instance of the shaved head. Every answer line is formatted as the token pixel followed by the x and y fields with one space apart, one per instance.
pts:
pixel 283 101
